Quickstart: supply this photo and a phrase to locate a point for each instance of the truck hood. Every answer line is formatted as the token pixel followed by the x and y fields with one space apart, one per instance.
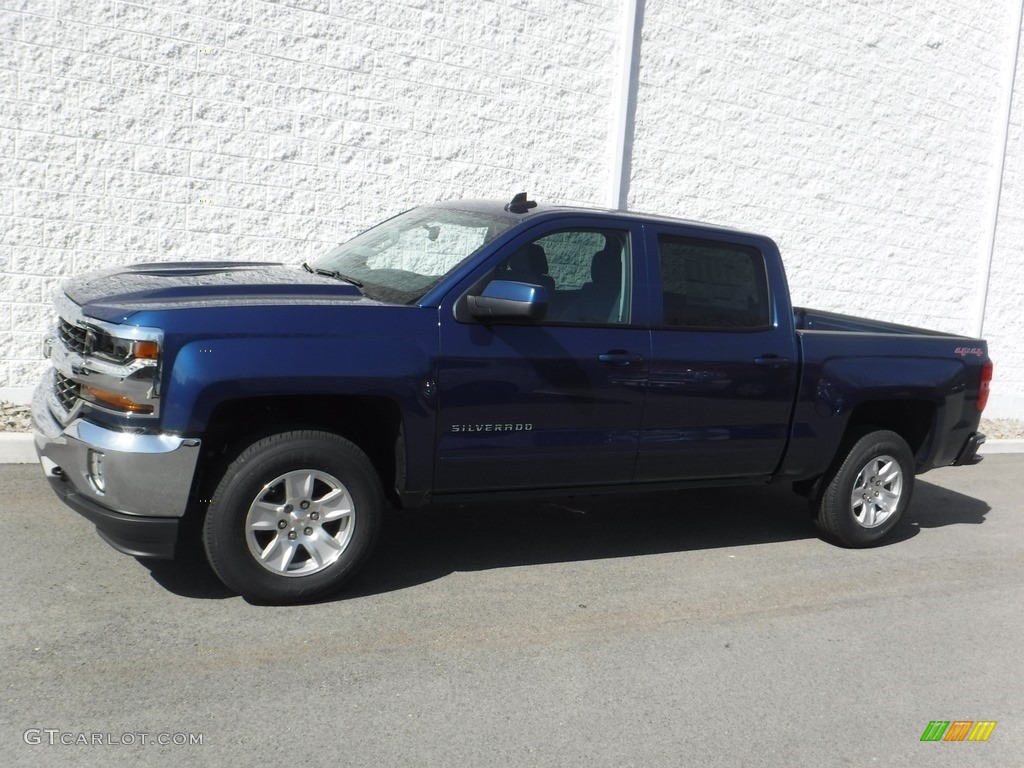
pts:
pixel 115 294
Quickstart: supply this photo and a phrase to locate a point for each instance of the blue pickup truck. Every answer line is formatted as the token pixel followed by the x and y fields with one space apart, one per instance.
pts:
pixel 476 349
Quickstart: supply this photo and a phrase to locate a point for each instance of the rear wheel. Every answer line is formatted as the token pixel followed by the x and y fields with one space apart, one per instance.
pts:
pixel 294 517
pixel 866 492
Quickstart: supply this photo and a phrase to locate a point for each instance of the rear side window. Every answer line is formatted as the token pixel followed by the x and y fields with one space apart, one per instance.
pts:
pixel 712 285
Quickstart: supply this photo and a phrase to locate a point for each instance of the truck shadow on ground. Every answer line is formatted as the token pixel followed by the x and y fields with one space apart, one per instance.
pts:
pixel 422 545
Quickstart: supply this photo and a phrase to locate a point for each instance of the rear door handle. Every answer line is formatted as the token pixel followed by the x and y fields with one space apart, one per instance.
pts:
pixel 773 361
pixel 620 357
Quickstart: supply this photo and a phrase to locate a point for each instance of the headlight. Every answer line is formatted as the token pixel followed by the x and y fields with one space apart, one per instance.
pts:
pixel 121 369
pixel 120 350
pixel 112 367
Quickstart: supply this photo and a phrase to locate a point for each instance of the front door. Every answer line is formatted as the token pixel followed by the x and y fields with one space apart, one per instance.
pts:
pixel 553 403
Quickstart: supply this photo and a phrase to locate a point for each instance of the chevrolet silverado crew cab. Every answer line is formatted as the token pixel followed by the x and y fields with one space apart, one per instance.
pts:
pixel 477 349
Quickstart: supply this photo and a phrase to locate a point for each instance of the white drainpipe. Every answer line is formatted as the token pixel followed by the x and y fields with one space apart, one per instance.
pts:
pixel 1001 130
pixel 621 134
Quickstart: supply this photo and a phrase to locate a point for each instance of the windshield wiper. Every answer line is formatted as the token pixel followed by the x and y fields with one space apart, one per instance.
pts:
pixel 332 273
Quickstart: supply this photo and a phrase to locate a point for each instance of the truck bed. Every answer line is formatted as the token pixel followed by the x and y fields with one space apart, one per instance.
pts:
pixel 816 320
pixel 924 380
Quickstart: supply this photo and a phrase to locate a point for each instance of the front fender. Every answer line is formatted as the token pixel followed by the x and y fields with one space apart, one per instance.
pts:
pixel 207 372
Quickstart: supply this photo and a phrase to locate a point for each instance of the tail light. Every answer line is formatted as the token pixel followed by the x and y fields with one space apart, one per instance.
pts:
pixel 986 385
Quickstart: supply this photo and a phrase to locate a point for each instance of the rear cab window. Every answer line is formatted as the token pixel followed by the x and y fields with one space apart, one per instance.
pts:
pixel 711 285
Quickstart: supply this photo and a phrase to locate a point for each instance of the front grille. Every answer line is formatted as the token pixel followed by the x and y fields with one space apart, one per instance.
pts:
pixel 74 338
pixel 67 391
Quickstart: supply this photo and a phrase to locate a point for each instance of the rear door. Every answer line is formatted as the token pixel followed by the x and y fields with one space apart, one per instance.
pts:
pixel 723 365
pixel 551 403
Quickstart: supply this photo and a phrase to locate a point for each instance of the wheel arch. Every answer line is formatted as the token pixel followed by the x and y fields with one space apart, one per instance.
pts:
pixel 374 424
pixel 913 420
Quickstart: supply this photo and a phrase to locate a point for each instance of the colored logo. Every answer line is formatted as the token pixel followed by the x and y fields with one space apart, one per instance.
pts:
pixel 958 730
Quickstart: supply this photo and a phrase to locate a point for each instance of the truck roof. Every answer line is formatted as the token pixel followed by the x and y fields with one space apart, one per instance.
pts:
pixel 537 210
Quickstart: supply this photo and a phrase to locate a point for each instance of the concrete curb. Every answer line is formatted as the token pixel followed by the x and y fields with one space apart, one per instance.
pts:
pixel 1002 446
pixel 18 448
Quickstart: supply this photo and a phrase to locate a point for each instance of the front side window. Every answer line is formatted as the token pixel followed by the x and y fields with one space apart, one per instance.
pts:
pixel 587 274
pixel 401 259
pixel 712 285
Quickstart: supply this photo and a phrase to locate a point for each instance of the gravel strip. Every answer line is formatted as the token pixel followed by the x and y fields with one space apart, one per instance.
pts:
pixel 14 418
pixel 1003 429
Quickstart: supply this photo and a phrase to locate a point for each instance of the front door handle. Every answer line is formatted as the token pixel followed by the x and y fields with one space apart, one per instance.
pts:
pixel 620 357
pixel 773 361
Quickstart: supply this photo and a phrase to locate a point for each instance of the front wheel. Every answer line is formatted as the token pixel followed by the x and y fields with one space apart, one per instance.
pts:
pixel 293 517
pixel 865 493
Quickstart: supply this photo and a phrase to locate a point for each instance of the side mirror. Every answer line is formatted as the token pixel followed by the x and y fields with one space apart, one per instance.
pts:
pixel 509 300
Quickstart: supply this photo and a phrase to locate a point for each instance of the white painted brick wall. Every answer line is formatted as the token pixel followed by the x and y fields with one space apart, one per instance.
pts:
pixel 859 135
pixel 164 130
pixel 1004 311
pixel 858 139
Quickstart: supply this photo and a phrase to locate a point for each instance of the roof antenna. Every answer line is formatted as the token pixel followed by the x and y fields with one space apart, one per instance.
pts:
pixel 520 204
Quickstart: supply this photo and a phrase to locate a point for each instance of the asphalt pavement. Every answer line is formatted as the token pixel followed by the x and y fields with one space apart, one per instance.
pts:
pixel 705 628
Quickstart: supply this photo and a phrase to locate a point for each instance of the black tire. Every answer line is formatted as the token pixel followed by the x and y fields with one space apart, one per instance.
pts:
pixel 864 519
pixel 293 517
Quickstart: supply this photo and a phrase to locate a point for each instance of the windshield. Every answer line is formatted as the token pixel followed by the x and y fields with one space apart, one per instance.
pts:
pixel 401 259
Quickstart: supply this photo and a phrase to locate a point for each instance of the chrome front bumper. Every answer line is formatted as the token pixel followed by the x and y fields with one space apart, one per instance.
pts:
pixel 121 481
